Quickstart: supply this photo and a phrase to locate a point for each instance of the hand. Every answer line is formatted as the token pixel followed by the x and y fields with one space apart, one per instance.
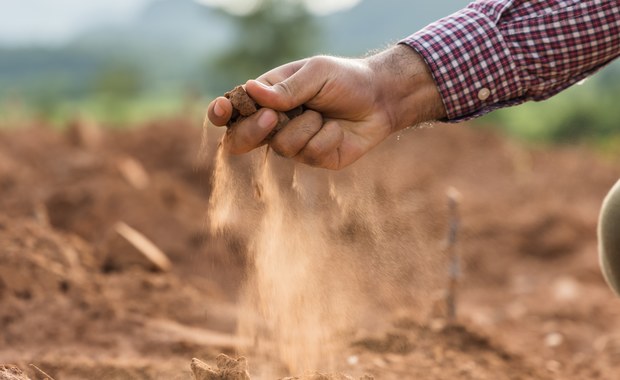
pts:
pixel 352 105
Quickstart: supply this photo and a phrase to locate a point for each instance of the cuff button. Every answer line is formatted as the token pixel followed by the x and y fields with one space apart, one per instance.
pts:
pixel 484 94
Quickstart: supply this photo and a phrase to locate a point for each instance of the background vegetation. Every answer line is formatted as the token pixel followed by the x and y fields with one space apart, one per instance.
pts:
pixel 177 54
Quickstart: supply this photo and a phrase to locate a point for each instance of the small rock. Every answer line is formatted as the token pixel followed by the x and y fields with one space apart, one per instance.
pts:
pixel 554 340
pixel 353 360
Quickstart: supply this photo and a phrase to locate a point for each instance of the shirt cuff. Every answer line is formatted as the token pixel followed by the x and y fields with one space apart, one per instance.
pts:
pixel 470 63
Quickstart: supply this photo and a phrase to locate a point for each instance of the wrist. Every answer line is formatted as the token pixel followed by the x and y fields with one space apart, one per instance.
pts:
pixel 406 89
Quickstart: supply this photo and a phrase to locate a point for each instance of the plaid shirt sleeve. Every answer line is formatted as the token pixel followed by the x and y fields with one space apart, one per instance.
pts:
pixel 499 53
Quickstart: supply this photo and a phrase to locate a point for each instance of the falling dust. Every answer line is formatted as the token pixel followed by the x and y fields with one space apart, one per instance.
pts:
pixel 328 254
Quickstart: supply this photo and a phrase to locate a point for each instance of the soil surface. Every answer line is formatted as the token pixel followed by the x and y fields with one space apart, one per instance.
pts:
pixel 80 300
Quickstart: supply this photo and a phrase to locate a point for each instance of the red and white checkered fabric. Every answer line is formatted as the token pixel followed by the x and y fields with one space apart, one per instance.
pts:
pixel 499 53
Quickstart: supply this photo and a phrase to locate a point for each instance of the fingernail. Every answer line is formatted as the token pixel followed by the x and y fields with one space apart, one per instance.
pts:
pixel 218 110
pixel 267 119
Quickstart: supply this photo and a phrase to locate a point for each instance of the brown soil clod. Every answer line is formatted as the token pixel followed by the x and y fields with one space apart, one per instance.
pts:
pixel 227 369
pixel 9 372
pixel 244 106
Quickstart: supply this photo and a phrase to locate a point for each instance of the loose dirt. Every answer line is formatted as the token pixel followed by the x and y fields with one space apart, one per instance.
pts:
pixel 532 303
pixel 244 106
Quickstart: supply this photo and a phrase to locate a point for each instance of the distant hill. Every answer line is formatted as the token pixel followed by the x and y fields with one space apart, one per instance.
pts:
pixel 170 41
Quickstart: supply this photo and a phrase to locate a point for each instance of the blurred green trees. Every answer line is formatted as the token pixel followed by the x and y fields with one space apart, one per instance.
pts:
pixel 276 32
pixel 145 69
pixel 120 81
pixel 587 112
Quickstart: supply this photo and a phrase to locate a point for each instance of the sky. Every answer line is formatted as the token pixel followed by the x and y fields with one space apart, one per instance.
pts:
pixel 49 22
pixel 55 21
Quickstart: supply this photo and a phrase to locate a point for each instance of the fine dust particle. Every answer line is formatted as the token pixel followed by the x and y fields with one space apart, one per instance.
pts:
pixel 324 251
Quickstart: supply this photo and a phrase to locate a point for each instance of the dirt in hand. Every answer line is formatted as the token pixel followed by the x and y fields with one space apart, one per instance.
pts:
pixel 244 106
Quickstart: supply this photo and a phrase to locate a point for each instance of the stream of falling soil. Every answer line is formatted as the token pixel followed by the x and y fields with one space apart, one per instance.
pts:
pixel 323 249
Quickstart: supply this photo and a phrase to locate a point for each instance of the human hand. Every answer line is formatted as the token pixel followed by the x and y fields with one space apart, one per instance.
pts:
pixel 352 105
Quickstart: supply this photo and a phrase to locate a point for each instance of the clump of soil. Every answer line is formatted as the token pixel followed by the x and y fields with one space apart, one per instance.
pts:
pixel 227 369
pixel 12 373
pixel 243 105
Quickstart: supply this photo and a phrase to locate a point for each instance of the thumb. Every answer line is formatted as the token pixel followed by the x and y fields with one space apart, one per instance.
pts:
pixel 292 92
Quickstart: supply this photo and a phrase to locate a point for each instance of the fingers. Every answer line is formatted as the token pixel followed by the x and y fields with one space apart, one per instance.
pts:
pixel 220 111
pixel 251 132
pixel 307 140
pixel 303 84
pixel 296 134
pixel 323 149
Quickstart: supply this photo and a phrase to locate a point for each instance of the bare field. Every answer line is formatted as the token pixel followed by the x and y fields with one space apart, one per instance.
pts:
pixel 82 297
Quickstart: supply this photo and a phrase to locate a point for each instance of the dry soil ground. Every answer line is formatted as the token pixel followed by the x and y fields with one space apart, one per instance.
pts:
pixel 80 302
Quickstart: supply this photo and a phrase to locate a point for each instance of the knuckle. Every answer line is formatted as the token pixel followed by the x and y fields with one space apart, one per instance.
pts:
pixel 281 149
pixel 314 151
pixel 314 116
pixel 319 62
pixel 307 130
pixel 286 88
pixel 308 124
pixel 311 161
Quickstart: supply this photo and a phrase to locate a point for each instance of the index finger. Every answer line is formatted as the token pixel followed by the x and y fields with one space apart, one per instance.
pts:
pixel 250 133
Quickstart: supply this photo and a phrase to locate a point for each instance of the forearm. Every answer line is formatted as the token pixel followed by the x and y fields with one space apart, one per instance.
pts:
pixel 499 53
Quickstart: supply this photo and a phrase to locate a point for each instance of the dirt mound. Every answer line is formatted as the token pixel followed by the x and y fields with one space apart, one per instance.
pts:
pixel 532 303
pixel 12 373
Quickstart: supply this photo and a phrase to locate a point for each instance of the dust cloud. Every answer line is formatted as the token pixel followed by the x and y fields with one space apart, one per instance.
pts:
pixel 328 254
